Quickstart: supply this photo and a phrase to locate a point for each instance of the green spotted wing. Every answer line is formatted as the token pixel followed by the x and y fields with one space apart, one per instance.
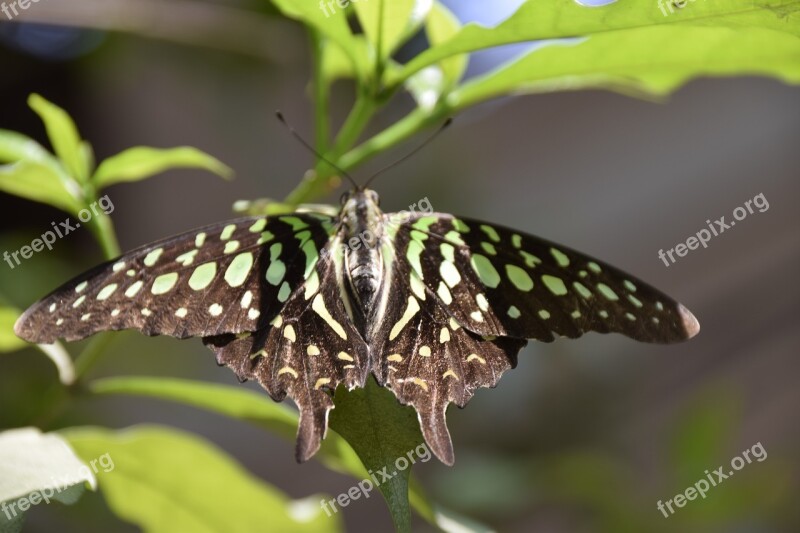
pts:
pixel 231 277
pixel 469 294
pixel 263 293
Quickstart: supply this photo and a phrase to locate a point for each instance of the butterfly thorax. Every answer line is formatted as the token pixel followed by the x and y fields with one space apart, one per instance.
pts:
pixel 362 231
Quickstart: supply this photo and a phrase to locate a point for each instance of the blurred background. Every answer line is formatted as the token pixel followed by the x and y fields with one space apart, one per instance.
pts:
pixel 584 435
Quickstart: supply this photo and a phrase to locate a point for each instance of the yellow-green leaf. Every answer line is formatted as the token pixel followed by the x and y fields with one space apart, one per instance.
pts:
pixel 142 162
pixel 557 19
pixel 388 23
pixel 166 481
pixel 9 342
pixel 63 136
pixel 40 183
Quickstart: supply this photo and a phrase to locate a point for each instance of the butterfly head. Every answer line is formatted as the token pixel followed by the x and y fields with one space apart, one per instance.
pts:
pixel 361 207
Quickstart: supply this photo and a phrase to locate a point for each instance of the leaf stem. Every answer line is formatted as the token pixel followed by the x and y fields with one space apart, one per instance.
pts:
pixel 320 87
pixel 413 123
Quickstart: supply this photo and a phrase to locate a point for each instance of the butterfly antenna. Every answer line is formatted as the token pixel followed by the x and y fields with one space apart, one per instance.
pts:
pixel 312 150
pixel 412 152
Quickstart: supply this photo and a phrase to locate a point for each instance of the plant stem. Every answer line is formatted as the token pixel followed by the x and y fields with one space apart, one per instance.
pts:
pixel 393 135
pixel 363 110
pixel 320 88
pixel 103 229
pixel 91 354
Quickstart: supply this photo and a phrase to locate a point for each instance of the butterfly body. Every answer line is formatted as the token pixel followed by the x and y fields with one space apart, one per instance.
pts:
pixel 432 305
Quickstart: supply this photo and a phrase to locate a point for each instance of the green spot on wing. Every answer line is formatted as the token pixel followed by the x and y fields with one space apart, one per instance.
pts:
pixel 227 231
pixel 485 270
pixel 151 258
pixel 519 278
pixel 164 283
pixel 424 223
pixel 556 285
pixel 606 291
pixel 530 259
pixel 460 226
pixel 560 257
pixel 203 276
pixel 491 232
pixel 294 222
pixel 582 290
pixel 258 225
pixel 237 272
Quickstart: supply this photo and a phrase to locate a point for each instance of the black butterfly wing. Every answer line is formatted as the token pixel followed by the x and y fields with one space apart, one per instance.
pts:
pixel 466 295
pixel 429 360
pixel 306 351
pixel 497 281
pixel 230 277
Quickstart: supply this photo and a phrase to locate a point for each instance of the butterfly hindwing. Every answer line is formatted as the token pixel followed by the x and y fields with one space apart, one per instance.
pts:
pixel 225 278
pixel 307 350
pixel 429 360
pixel 496 281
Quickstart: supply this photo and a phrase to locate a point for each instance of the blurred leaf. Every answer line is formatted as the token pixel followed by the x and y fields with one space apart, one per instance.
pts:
pixel 164 480
pixel 18 147
pixel 37 182
pixel 331 25
pixel 336 64
pixel 237 403
pixel 63 136
pixel 142 162
pixel 389 23
pixel 555 19
pixel 602 484
pixel 39 467
pixel 652 61
pixel 9 342
pixel 703 434
pixel 381 431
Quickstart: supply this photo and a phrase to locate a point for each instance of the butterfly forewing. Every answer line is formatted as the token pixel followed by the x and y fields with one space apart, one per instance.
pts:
pixel 496 281
pixel 224 278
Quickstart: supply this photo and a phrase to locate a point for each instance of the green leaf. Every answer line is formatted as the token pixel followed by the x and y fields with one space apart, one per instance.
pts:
pixel 704 432
pixel 63 135
pixel 555 19
pixel 142 162
pixel 37 468
pixel 238 403
pixel 164 480
pixel 18 147
pixel 389 23
pixel 335 452
pixel 331 25
pixel 385 435
pixel 652 61
pixel 39 183
pixel 9 342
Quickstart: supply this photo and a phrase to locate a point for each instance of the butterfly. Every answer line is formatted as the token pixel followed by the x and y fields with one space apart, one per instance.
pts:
pixel 432 305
